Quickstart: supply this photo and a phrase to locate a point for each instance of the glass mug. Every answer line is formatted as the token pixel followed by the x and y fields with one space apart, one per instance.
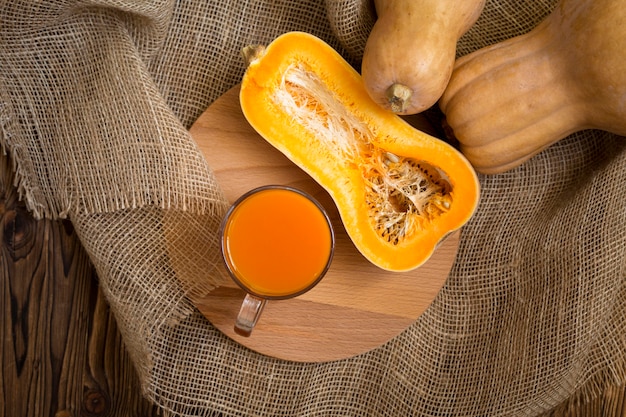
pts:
pixel 277 242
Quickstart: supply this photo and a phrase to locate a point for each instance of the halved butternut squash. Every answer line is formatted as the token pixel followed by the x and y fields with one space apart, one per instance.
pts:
pixel 399 191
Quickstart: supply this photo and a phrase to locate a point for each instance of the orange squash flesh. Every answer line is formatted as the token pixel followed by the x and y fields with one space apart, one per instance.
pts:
pixel 399 191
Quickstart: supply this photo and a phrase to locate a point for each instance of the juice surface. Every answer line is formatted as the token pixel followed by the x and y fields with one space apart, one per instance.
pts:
pixel 277 242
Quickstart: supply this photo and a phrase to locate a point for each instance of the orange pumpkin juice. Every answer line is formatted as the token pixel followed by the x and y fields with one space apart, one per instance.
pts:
pixel 277 242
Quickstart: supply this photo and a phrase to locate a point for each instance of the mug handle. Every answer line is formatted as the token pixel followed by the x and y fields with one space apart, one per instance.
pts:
pixel 249 314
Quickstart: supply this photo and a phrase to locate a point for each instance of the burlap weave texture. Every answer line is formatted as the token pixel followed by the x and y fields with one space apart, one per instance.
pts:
pixel 95 101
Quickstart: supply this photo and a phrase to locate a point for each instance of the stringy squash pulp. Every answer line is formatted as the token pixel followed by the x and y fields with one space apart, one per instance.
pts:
pixel 398 190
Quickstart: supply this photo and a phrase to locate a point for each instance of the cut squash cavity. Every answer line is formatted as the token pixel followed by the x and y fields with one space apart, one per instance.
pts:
pixel 398 190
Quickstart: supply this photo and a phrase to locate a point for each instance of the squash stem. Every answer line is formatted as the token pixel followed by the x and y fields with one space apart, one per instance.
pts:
pixel 252 53
pixel 399 96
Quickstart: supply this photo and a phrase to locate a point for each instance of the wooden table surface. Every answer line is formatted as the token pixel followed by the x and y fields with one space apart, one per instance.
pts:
pixel 61 354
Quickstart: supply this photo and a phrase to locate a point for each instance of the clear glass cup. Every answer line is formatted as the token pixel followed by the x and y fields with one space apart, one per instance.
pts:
pixel 277 242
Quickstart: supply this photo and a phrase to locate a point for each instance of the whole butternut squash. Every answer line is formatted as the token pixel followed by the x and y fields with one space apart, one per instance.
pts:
pixel 411 49
pixel 509 101
pixel 398 190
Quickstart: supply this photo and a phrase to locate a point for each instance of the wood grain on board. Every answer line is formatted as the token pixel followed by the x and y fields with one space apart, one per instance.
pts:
pixel 356 307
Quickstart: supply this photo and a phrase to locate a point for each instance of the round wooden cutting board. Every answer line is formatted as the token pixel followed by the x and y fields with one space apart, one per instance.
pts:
pixel 356 307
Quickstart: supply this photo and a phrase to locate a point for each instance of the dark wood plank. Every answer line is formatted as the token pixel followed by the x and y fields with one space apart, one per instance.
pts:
pixel 61 353
pixel 610 403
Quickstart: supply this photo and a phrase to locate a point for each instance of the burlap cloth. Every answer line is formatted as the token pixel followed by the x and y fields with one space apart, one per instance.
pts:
pixel 95 101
